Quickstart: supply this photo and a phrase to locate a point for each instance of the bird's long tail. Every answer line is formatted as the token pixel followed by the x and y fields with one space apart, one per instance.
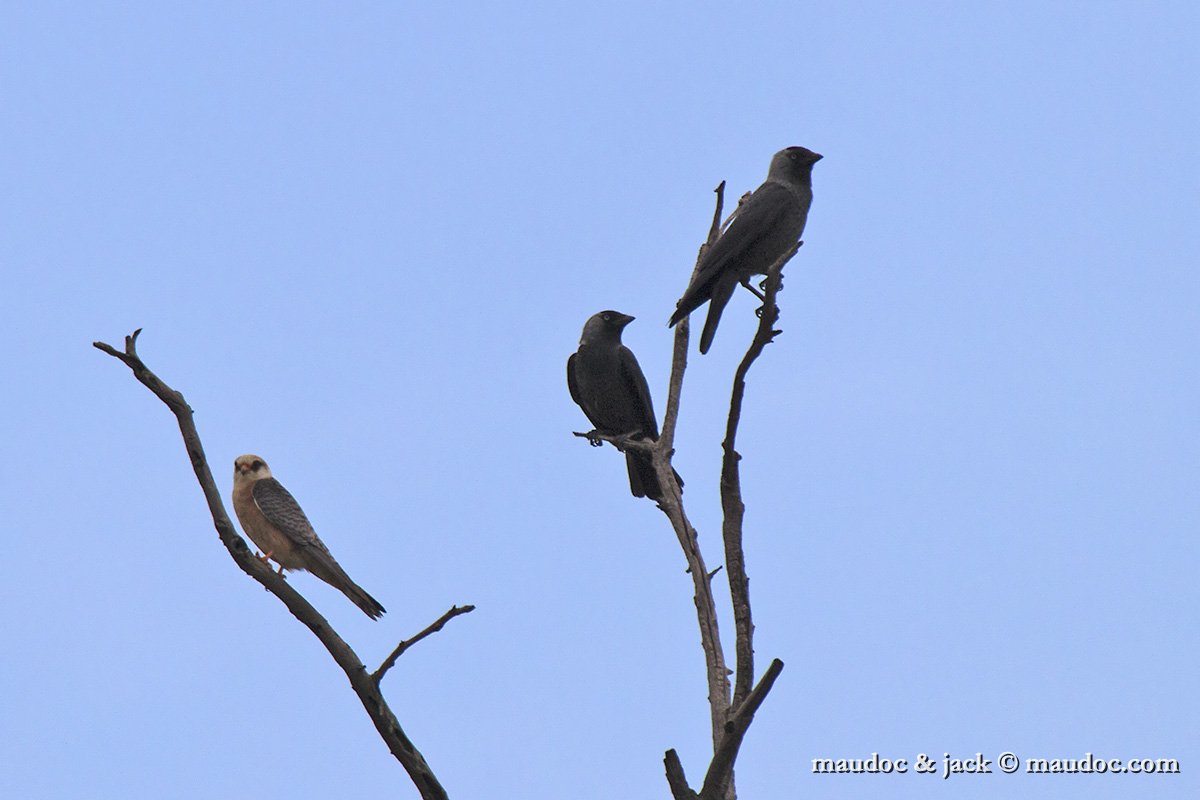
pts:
pixel 332 573
pixel 643 480
pixel 722 291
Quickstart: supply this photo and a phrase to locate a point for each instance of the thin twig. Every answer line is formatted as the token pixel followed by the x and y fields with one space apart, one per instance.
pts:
pixel 390 661
pixel 622 441
pixel 679 357
pixel 731 489
pixel 741 201
pixel 368 692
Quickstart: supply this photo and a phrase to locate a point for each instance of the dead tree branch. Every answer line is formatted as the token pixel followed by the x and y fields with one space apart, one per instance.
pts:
pixel 623 442
pixel 706 609
pixel 676 779
pixel 682 329
pixel 731 717
pixel 720 771
pixel 716 671
pixel 731 487
pixel 362 682
pixel 436 626
pixel 731 714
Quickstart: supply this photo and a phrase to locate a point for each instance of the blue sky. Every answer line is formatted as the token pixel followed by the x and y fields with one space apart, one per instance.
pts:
pixel 363 239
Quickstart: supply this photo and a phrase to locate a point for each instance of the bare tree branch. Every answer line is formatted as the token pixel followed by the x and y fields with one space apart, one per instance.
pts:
pixel 717 673
pixel 676 779
pixel 361 681
pixel 730 717
pixel 682 329
pixel 622 442
pixel 720 771
pixel 436 626
pixel 731 714
pixel 706 610
pixel 731 488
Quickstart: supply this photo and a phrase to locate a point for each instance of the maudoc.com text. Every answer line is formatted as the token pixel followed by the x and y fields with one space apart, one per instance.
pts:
pixel 1008 763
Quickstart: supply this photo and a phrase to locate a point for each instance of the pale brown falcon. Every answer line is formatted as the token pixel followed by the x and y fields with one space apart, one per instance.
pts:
pixel 275 522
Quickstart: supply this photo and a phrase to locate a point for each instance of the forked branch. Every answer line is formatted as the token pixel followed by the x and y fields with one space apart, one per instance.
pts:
pixel 433 628
pixel 720 770
pixel 731 486
pixel 731 717
pixel 363 683
pixel 731 714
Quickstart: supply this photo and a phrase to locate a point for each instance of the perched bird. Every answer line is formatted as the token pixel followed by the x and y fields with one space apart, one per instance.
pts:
pixel 763 228
pixel 275 522
pixel 607 383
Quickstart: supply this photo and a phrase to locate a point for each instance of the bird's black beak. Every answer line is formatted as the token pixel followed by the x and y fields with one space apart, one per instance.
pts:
pixel 624 320
pixel 816 157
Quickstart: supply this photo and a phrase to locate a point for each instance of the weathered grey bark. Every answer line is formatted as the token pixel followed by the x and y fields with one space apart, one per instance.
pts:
pixel 364 684
pixel 731 487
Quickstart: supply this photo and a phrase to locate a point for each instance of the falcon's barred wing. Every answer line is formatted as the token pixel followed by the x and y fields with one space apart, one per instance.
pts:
pixel 281 510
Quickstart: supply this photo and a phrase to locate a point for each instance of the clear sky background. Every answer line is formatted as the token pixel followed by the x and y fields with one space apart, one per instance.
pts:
pixel 363 238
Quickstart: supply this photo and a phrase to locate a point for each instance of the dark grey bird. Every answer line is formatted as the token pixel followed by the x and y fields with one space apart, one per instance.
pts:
pixel 763 228
pixel 607 383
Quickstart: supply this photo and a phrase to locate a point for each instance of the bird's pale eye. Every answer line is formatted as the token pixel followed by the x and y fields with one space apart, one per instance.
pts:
pixel 608 317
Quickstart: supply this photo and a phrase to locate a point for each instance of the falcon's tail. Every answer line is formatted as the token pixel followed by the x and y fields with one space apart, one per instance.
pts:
pixel 360 598
pixel 333 574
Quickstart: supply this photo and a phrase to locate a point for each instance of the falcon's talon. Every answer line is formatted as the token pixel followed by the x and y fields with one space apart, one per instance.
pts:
pixel 593 438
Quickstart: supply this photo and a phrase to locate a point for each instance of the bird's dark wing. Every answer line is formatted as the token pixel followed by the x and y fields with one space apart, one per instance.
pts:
pixel 281 510
pixel 571 385
pixel 758 217
pixel 638 392
pixel 576 394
